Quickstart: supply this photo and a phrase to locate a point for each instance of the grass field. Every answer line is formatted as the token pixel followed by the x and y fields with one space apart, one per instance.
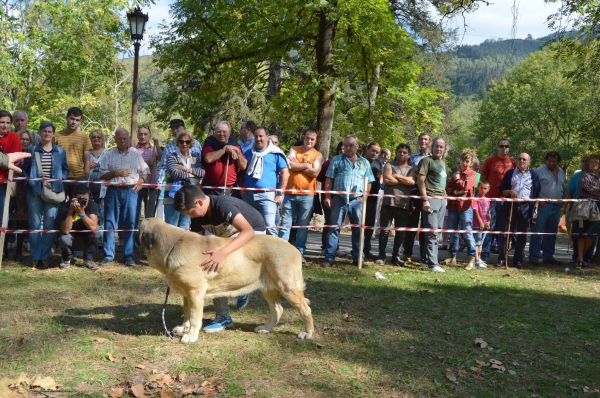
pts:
pixel 412 334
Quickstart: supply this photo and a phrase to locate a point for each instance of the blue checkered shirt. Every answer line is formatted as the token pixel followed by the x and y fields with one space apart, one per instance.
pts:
pixel 349 177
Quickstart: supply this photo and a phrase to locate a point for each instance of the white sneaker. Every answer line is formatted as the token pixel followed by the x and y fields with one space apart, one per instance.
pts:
pixel 437 268
pixel 480 264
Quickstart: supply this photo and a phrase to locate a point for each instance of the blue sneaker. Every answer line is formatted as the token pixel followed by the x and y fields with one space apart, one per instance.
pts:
pixel 219 324
pixel 242 302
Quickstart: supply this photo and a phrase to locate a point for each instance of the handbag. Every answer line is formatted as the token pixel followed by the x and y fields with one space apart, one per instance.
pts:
pixel 48 195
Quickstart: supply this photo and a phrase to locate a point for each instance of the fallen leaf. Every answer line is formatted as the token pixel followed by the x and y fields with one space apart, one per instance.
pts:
pixel 111 357
pixel 167 394
pixel 480 343
pixel 153 371
pixel 21 381
pixel 116 393
pixel 495 362
pixel 462 373
pixel 142 367
pixel 422 292
pixel 167 379
pixel 21 340
pixel 46 383
pixel 138 390
pixel 346 317
pixel 512 372
pixel 208 381
pixel 305 372
pixel 437 281
pixel 156 377
pixel 481 363
pixel 475 369
pixel 181 376
pixel 498 367
pixel 450 375
pixel 100 340
pixel 587 344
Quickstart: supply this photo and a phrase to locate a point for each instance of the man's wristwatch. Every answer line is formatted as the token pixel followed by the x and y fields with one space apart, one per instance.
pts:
pixel 279 193
pixel 82 215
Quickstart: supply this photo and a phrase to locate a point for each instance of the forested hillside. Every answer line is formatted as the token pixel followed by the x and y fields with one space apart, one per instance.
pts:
pixel 474 66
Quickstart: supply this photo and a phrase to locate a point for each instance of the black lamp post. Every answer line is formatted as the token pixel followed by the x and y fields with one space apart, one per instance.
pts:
pixel 137 21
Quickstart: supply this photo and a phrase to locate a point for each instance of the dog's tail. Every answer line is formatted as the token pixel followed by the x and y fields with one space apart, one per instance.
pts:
pixel 307 301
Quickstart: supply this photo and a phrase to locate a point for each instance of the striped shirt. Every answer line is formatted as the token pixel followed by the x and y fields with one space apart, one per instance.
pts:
pixel 150 156
pixel 129 160
pixel 46 160
pixel 169 150
pixel 349 177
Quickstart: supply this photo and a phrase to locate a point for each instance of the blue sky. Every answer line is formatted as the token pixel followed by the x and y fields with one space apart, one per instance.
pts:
pixel 493 21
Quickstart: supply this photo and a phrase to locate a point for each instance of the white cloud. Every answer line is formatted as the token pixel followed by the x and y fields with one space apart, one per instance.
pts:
pixel 496 20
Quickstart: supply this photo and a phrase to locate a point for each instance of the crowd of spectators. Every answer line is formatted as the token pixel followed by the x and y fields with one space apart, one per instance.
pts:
pixel 87 214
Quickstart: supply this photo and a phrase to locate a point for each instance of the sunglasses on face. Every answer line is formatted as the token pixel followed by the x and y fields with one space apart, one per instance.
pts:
pixel 503 146
pixel 185 142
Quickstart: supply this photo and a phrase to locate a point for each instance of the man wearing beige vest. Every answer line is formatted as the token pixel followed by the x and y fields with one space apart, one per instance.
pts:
pixel 305 165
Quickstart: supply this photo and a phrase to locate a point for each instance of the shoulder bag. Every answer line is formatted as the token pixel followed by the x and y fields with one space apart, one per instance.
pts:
pixel 48 195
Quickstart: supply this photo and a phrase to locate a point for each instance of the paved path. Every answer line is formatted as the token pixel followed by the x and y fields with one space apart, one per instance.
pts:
pixel 313 249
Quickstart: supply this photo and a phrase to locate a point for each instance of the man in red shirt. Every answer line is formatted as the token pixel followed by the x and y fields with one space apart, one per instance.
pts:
pixel 222 158
pixel 492 172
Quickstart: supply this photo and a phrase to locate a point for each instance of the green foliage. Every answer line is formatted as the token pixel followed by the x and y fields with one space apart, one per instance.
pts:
pixel 56 54
pixel 224 52
pixel 539 109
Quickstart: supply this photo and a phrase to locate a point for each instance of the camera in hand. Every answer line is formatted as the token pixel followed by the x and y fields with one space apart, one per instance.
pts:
pixel 82 201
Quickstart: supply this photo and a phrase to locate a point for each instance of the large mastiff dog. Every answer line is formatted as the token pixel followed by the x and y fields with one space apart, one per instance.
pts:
pixel 265 262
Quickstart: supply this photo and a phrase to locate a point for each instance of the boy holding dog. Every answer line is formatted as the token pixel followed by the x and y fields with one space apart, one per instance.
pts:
pixel 224 216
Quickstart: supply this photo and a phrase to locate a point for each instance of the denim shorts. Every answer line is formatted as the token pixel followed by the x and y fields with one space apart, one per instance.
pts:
pixel 479 238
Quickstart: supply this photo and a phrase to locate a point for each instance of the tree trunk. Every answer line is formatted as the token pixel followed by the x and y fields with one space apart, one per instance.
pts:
pixel 275 78
pixel 373 93
pixel 328 80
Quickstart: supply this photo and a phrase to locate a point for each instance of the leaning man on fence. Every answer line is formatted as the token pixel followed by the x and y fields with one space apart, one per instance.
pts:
pixel 346 173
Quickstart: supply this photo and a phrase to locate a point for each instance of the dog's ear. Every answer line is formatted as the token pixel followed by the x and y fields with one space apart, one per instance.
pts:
pixel 145 238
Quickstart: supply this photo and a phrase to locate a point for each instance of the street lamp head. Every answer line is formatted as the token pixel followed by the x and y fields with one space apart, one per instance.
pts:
pixel 137 20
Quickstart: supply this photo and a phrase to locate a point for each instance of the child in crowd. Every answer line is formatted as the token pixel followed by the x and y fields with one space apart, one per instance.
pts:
pixel 481 221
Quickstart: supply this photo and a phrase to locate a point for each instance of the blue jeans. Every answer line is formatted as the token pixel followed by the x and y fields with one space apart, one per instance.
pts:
pixel 292 205
pixel 487 242
pixel 546 221
pixel 2 199
pixel 119 213
pixel 176 218
pixel 461 220
pixel 264 202
pixel 41 243
pixel 339 210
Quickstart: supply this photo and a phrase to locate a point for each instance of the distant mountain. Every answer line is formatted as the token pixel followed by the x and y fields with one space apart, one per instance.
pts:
pixel 474 66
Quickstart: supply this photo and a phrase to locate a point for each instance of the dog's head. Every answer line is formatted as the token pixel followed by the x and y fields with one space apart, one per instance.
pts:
pixel 147 233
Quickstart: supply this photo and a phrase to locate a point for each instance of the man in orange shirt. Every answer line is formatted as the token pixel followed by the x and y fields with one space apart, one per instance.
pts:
pixel 305 165
pixel 492 172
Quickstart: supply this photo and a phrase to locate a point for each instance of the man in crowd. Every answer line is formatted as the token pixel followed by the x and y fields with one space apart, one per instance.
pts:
pixel 326 210
pixel 553 183
pixel 431 180
pixel 222 158
pixel 223 216
pixel 152 155
pixel 399 178
pixel 77 146
pixel 274 138
pixel 176 126
pixel 247 135
pixel 573 193
pixel 9 143
pixel 346 173
pixel 20 121
pixel 126 171
pixel 79 214
pixel 265 163
pixel 494 169
pixel 520 182
pixel 305 165
pixel 371 154
pixel 416 205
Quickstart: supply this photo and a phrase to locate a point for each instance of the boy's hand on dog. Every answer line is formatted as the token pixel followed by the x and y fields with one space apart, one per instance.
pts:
pixel 213 263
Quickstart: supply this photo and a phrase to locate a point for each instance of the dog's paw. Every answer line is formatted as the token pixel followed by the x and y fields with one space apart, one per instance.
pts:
pixel 305 336
pixel 261 329
pixel 179 330
pixel 189 338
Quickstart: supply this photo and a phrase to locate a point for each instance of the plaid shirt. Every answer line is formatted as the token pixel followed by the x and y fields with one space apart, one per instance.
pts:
pixel 349 177
pixel 150 156
pixel 169 150
pixel 130 160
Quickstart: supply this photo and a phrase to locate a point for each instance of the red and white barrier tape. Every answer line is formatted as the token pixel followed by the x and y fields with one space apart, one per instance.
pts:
pixel 307 191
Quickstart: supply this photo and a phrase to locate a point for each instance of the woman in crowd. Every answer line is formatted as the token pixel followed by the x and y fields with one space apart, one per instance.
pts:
pixel 20 212
pixel 47 160
pixel 97 191
pixel 589 188
pixel 184 167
